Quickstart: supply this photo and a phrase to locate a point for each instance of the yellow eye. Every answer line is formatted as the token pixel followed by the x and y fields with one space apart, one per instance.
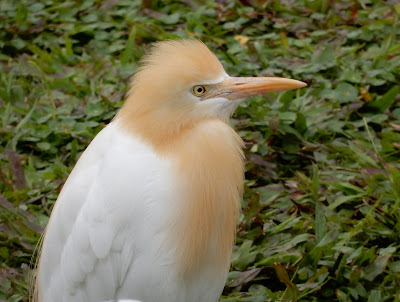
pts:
pixel 199 90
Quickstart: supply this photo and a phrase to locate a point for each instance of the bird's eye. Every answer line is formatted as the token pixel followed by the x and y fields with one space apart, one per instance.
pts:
pixel 199 90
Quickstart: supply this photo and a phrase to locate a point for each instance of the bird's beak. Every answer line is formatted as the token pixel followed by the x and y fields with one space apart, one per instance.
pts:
pixel 234 88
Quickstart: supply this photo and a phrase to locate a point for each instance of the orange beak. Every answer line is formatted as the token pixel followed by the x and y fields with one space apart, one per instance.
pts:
pixel 234 88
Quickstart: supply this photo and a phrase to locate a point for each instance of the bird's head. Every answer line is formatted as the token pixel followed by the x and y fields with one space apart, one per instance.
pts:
pixel 182 81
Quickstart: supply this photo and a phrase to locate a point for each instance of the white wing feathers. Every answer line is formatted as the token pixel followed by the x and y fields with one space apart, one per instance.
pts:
pixel 89 229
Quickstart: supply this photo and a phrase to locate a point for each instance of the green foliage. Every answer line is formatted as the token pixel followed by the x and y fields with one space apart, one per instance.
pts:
pixel 321 210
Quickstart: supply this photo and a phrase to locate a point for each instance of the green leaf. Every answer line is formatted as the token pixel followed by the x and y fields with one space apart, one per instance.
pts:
pixel 377 267
pixel 345 92
pixel 18 43
pixel 94 109
pixel 68 46
pixel 287 116
pixel 375 296
pixel 386 100
pixel 325 57
pixel 244 255
pixel 44 146
pixel 171 19
pixel 395 266
pixel 397 8
pixel 128 53
pixel 343 199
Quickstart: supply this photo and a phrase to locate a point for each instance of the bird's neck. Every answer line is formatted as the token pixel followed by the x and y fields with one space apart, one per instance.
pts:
pixel 209 168
pixel 155 124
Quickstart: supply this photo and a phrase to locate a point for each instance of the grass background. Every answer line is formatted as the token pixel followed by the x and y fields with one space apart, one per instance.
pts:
pixel 321 208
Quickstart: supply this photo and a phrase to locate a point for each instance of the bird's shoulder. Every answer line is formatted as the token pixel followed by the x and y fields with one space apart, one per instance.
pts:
pixel 112 174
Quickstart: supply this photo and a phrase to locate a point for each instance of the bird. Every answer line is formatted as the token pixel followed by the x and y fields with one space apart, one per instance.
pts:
pixel 149 211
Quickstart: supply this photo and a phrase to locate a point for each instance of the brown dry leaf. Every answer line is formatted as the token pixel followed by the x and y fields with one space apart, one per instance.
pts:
pixel 297 195
pixel 17 169
pixel 284 278
pixel 372 171
pixel 259 161
pixel 395 126
pixel 251 213
pixel 30 219
pixel 365 95
pixel 245 277
pixel 310 147
pixel 302 207
pixel 396 145
pixel 274 123
pixel 242 39
pixel 152 13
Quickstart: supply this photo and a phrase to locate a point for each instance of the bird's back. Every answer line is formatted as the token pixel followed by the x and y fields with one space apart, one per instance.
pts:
pixel 113 231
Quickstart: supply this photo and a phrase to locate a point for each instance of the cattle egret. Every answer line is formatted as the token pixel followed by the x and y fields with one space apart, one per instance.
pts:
pixel 150 210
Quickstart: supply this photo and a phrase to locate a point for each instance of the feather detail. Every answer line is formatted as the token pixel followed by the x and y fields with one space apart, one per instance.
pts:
pixel 210 167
